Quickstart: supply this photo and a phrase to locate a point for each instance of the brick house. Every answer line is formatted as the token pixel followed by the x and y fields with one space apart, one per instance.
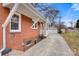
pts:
pixel 19 24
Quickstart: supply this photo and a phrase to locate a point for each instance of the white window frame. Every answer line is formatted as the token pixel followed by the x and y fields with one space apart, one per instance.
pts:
pixel 19 30
pixel 34 25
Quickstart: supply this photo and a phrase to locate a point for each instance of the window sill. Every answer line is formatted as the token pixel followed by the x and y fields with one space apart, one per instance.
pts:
pixel 29 44
pixel 15 31
pixel 34 28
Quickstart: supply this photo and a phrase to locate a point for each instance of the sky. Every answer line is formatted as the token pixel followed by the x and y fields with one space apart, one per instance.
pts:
pixel 67 11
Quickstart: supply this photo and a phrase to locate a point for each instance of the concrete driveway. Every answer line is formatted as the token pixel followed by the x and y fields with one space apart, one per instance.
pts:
pixel 53 45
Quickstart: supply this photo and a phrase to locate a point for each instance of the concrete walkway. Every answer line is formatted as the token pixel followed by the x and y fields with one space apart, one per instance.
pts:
pixel 53 45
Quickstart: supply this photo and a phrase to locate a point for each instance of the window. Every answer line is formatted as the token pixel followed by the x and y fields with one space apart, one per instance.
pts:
pixel 28 42
pixel 15 23
pixel 34 25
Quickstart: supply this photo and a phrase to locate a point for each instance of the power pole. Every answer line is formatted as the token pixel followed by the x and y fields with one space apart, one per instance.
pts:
pixel 59 27
pixel 59 22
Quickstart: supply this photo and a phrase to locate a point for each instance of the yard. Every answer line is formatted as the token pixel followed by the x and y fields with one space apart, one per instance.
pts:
pixel 72 38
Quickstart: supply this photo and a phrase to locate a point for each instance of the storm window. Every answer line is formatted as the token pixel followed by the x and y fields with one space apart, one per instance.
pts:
pixel 15 23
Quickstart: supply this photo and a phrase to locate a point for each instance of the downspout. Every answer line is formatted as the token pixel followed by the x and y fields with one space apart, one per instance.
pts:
pixel 4 40
pixel 46 27
pixel 5 25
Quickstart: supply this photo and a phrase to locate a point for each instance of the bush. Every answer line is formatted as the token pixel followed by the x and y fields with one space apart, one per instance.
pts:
pixel 77 24
pixel 59 31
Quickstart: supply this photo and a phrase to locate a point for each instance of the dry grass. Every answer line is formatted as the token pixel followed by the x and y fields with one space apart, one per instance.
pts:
pixel 72 39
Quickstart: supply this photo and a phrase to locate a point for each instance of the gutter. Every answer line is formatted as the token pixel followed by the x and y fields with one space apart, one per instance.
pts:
pixel 5 25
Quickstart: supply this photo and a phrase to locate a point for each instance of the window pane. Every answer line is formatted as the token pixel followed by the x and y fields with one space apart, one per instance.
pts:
pixel 32 22
pixel 35 25
pixel 15 22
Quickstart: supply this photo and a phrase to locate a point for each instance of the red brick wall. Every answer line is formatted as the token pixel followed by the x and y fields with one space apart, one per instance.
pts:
pixel 27 33
pixel 14 40
pixel 3 14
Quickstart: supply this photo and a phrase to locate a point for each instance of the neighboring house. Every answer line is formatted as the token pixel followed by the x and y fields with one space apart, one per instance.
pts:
pixel 19 24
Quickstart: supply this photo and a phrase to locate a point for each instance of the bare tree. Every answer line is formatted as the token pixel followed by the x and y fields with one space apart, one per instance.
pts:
pixel 47 11
pixel 72 24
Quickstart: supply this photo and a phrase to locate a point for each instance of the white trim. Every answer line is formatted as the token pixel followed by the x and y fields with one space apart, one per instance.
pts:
pixel 5 4
pixel 46 27
pixel 19 30
pixel 35 24
pixel 37 12
pixel 0 54
pixel 4 41
pixel 34 11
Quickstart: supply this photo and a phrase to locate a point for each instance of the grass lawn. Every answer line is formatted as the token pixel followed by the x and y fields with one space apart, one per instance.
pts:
pixel 72 38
